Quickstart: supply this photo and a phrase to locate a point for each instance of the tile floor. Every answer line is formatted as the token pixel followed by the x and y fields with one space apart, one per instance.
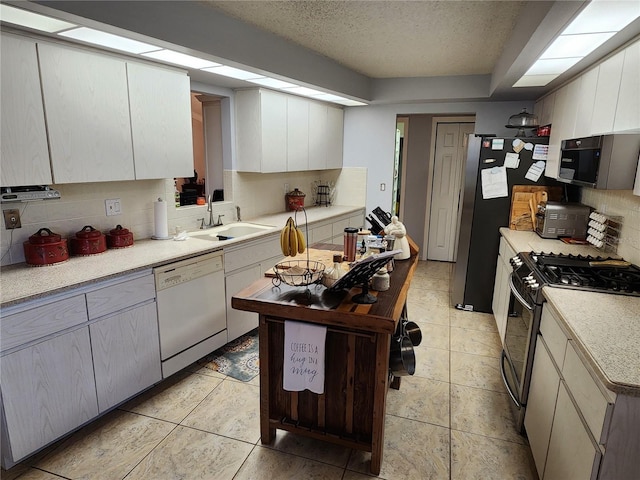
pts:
pixel 451 420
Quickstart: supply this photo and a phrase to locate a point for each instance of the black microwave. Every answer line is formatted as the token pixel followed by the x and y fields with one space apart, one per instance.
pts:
pixel 605 161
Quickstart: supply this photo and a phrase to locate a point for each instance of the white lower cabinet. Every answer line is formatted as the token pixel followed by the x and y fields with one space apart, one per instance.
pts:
pixel 48 389
pixel 573 455
pixel 541 406
pixel 69 358
pixel 126 355
pixel 501 289
pixel 569 413
pixel 240 322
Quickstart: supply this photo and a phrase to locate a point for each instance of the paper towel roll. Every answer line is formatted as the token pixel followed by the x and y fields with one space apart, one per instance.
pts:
pixel 161 227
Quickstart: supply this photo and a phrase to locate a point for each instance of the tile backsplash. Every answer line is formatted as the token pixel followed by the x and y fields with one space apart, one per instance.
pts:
pixel 619 203
pixel 84 204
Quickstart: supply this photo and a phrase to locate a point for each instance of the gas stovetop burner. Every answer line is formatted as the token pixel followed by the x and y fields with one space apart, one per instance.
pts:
pixel 598 274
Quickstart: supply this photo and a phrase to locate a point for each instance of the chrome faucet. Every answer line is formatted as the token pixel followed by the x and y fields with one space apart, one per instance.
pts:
pixel 210 224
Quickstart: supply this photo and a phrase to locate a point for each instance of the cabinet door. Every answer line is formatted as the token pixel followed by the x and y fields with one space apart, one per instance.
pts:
pixel 297 134
pixel 548 107
pixel 160 122
pixel 48 389
pixel 87 112
pixel 240 322
pixel 273 109
pixel 541 405
pixel 606 97
pixel 573 454
pixel 627 111
pixel 586 96
pixel 126 354
pixel 335 137
pixel 25 154
pixel 563 125
pixel 317 136
pixel 248 131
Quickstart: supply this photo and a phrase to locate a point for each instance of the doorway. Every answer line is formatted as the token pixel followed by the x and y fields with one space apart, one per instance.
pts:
pixel 449 147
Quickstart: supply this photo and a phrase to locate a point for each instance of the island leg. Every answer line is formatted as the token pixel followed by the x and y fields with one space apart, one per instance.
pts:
pixel 267 433
pixel 383 342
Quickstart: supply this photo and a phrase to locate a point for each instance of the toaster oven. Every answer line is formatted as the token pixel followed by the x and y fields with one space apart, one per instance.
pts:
pixel 557 219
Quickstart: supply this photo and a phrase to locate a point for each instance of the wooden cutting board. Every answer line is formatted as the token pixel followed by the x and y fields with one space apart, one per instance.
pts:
pixel 520 216
pixel 323 256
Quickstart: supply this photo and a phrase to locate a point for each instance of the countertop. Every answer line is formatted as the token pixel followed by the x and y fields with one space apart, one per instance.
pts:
pixel 605 327
pixel 21 282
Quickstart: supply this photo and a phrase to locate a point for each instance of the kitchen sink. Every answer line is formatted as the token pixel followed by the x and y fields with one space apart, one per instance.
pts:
pixel 231 231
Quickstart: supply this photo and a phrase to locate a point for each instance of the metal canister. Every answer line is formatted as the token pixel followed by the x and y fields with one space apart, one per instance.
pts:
pixel 350 243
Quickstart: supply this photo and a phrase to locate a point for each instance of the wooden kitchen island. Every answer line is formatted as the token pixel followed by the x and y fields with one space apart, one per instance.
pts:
pixel 351 411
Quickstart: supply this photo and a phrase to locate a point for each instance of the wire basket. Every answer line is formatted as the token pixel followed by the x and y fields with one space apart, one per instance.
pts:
pixel 299 273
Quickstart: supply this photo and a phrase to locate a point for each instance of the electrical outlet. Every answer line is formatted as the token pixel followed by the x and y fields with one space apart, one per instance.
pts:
pixel 383 187
pixel 113 206
pixel 286 188
pixel 12 218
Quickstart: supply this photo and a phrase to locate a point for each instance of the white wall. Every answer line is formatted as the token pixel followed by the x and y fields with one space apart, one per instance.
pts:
pixel 369 136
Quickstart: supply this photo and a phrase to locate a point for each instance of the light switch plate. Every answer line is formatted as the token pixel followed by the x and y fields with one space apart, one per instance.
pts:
pixel 113 206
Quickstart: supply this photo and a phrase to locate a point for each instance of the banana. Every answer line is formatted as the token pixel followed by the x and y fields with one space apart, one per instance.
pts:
pixel 284 240
pixel 293 240
pixel 301 242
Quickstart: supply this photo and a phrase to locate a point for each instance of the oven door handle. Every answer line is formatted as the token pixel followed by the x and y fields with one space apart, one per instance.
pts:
pixel 516 293
pixel 503 357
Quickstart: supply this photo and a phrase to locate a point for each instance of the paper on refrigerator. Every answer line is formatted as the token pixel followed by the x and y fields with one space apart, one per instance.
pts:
pixel 494 183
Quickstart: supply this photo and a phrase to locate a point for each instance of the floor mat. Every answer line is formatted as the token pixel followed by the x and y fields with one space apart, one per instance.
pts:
pixel 238 359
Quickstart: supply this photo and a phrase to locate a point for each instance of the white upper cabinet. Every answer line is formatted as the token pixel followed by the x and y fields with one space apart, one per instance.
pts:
pixel 562 125
pixel 606 98
pixel 87 113
pixel 276 132
pixel 335 136
pixel 25 154
pixel 628 110
pixel 160 108
pixel 586 96
pixel 297 134
pixel 548 107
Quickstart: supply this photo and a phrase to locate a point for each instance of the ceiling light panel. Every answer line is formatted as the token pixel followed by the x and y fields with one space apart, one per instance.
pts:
pixel 552 66
pixel 581 45
pixel 32 20
pixel 534 80
pixel 604 16
pixel 108 40
pixel 233 72
pixel 182 59
pixel 272 82
pixel 307 92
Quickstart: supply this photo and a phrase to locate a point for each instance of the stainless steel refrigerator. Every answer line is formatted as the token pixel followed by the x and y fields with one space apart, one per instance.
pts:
pixel 481 218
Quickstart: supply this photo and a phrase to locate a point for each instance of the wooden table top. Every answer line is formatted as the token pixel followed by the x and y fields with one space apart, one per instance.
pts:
pixel 316 304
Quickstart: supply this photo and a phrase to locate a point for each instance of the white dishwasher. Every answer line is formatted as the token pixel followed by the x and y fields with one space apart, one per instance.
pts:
pixel 191 310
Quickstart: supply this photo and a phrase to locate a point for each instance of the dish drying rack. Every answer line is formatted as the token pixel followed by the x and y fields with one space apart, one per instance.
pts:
pixel 604 231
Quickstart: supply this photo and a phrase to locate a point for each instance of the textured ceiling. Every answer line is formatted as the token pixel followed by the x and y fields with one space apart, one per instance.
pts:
pixel 387 39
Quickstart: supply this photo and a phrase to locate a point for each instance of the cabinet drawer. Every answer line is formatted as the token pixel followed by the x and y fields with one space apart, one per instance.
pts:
pixel 252 253
pixel 39 322
pixel 339 226
pixel 553 335
pixel 120 296
pixel 592 403
pixel 321 233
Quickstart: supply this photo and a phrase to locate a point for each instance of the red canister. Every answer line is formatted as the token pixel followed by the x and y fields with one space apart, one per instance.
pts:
pixel 45 248
pixel 295 200
pixel 88 241
pixel 119 238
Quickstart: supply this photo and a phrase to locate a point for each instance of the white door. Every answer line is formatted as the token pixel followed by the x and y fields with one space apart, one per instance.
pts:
pixel 449 162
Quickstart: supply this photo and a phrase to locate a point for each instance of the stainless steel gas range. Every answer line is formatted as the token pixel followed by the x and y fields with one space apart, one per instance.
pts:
pixel 532 271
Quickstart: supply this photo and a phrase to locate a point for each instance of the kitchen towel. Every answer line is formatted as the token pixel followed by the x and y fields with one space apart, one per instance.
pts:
pixel 304 345
pixel 160 225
